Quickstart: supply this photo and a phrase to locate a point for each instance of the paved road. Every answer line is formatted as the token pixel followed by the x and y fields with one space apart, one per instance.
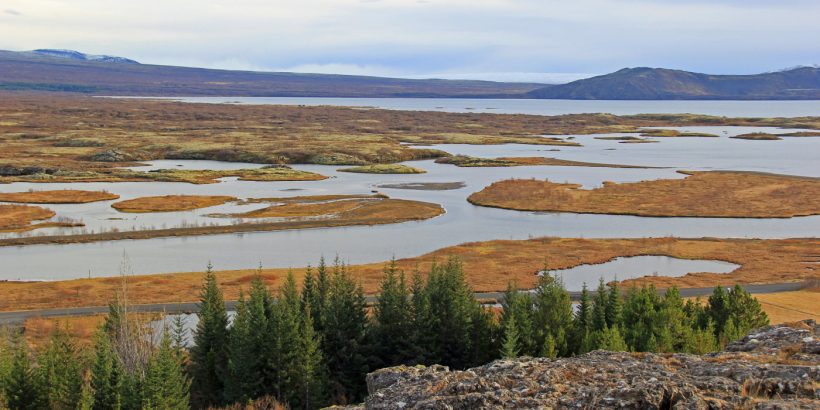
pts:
pixel 16 317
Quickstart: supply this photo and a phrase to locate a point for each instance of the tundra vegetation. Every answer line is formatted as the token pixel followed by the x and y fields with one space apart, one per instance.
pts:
pixel 489 266
pixel 701 194
pixel 467 161
pixel 304 213
pixel 312 347
pixel 36 130
pixel 170 203
pixel 65 196
pixel 384 169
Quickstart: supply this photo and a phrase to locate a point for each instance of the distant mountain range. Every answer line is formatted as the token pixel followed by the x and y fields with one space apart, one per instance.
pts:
pixel 73 71
pixel 645 83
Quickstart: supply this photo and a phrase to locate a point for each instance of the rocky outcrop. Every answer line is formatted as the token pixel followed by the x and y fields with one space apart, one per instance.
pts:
pixel 773 367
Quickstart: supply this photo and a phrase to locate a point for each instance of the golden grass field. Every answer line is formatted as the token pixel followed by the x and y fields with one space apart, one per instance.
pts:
pixel 701 194
pixel 47 137
pixel 384 169
pixel 365 210
pixel 489 266
pixel 170 203
pixel 20 217
pixel 66 196
pixel 466 161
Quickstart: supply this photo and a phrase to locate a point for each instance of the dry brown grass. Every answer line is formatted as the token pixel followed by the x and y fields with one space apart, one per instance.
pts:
pixel 20 217
pixel 466 161
pixel 372 210
pixel 66 196
pixel 39 330
pixel 757 136
pixel 489 267
pixel 35 128
pixel 785 307
pixel 702 194
pixel 384 169
pixel 170 203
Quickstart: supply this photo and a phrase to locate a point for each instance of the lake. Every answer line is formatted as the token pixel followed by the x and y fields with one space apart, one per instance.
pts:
pixel 539 107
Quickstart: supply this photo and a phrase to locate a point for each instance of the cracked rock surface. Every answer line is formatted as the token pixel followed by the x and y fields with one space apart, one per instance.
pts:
pixel 774 367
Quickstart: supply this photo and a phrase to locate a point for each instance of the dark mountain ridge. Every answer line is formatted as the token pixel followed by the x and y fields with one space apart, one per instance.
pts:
pixel 70 71
pixel 645 83
pixel 73 71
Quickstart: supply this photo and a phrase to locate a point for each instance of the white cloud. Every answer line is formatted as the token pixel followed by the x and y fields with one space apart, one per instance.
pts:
pixel 496 38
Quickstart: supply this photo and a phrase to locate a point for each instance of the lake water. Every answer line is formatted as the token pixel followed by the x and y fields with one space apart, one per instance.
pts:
pixel 540 107
pixel 636 267
pixel 462 221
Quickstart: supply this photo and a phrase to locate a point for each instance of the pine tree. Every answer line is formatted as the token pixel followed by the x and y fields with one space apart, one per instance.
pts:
pixel 582 323
pixel 344 331
pixel 244 377
pixel 745 310
pixel 614 308
pixel 509 347
pixel 717 309
pixel 675 324
pixel 640 318
pixel 86 395
pixel 610 339
pixel 549 349
pixel 518 306
pixel 106 374
pixel 484 338
pixel 553 314
pixel 208 355
pixel 166 386
pixel 393 325
pixel 599 307
pixel 23 388
pixel 421 317
pixel 310 367
pixel 59 369
pixel 451 302
pixel 289 318
pixel 704 340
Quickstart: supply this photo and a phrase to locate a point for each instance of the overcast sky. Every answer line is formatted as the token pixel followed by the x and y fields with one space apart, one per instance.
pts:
pixel 530 40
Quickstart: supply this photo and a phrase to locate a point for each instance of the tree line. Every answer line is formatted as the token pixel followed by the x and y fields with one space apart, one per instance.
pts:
pixel 312 346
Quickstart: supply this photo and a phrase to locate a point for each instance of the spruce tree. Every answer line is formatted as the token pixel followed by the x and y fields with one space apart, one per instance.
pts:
pixel 614 306
pixel 582 323
pixel 640 318
pixel 393 324
pixel 288 372
pixel 599 307
pixel 451 302
pixel 745 310
pixel 310 370
pixel 166 385
pixel 553 315
pixel 106 374
pixel 510 345
pixel 518 306
pixel 344 330
pixel 60 371
pixel 421 336
pixel 244 377
pixel 208 355
pixel 484 336
pixel 23 388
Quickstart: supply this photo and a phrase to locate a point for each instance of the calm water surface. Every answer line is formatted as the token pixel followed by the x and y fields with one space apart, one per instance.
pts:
pixel 462 222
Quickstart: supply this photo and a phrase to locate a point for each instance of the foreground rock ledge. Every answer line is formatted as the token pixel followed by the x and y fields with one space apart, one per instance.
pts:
pixel 772 367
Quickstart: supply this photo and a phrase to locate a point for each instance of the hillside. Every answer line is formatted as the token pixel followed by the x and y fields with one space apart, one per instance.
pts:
pixel 664 84
pixel 71 71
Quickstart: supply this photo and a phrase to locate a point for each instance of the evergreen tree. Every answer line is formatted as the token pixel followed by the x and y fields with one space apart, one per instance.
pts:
pixel 60 372
pixel 675 324
pixel 518 306
pixel 421 317
pixel 344 331
pixel 289 315
pixel 208 355
pixel 703 340
pixel 549 349
pixel 510 345
pixel 106 374
pixel 310 367
pixel 582 323
pixel 86 395
pixel 451 303
pixel 393 323
pixel 244 377
pixel 745 310
pixel 166 386
pixel 614 306
pixel 599 307
pixel 484 339
pixel 23 388
pixel 553 315
pixel 640 314
pixel 717 309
